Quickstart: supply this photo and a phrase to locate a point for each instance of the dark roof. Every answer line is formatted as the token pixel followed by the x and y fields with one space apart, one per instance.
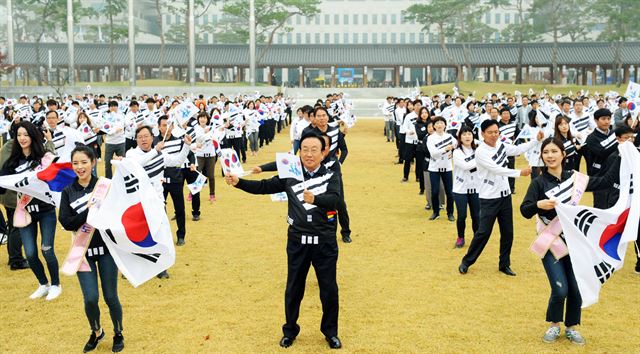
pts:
pixel 227 55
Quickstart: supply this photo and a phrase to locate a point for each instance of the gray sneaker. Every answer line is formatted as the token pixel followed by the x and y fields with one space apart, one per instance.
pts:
pixel 551 335
pixel 574 337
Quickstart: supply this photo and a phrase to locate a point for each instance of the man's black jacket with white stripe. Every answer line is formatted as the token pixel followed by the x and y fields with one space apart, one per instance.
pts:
pixel 308 224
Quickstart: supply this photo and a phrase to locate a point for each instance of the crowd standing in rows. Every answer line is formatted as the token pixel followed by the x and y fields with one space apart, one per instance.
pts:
pixel 464 149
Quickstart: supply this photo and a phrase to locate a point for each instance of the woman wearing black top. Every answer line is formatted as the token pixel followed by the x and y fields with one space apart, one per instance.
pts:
pixel 27 153
pixel 73 214
pixel 544 192
pixel 421 132
pixel 571 145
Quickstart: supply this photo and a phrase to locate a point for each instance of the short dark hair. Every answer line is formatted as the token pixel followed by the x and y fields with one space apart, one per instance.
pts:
pixel 487 123
pixel 84 149
pixel 133 103
pixel 466 129
pixel 143 128
pixel 113 104
pixel 439 119
pixel 313 135
pixel 622 129
pixel 162 117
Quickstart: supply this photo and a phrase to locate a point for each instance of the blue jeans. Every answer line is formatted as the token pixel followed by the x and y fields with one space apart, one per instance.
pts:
pixel 296 146
pixel 563 286
pixel 461 206
pixel 106 267
pixel 29 233
pixel 447 181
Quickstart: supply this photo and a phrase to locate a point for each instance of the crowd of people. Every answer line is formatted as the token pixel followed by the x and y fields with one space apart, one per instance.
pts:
pixel 463 150
pixel 146 130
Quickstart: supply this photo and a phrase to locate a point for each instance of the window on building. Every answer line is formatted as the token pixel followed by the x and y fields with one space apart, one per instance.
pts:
pixel 384 38
pixel 289 38
pixel 336 19
pixel 317 39
pixel 497 36
pixel 384 19
pixel 394 18
pixel 289 21
pixel 307 38
pixel 516 19
pixel 421 37
pixel 412 38
pixel 206 37
pixel 177 19
pixel 327 19
pixel 336 38
pixel 298 20
pixel 204 19
pixel 487 18
pixel 281 38
pixel 326 38
pixel 374 19
pixel 308 20
pixel 507 18
pixel 393 38
pixel 317 19
pixel 355 19
pixel 365 19
pixel 168 20
pixel 355 38
pixel 298 38
pixel 403 38
pixel 432 38
pixel 402 20
pixel 365 38
pixel 497 19
pixel 214 19
pixel 345 38
pixel 345 20
pixel 374 38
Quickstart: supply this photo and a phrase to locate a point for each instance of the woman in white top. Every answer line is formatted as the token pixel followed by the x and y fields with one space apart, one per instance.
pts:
pixel 206 151
pixel 465 182
pixel 251 126
pixel 440 145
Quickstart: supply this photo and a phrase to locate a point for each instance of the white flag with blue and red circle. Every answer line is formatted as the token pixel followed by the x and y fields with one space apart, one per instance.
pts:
pixel 598 238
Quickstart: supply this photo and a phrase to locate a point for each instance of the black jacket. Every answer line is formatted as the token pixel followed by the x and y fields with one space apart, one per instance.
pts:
pixel 597 148
pixel 26 163
pixel 546 182
pixel 318 220
pixel 74 211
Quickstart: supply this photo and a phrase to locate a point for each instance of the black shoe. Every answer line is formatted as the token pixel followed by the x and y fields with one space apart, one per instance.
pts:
pixel 507 270
pixel 163 275
pixel 180 242
pixel 427 207
pixel 19 265
pixel 434 217
pixel 421 193
pixel 118 343
pixel 173 217
pixel 346 239
pixel 451 218
pixel 404 180
pixel 463 268
pixel 286 342
pixel 93 341
pixel 637 268
pixel 195 218
pixel 334 342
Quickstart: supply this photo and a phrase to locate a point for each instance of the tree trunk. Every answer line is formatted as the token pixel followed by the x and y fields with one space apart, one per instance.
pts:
pixel 617 62
pixel 443 45
pixel 554 57
pixel 162 40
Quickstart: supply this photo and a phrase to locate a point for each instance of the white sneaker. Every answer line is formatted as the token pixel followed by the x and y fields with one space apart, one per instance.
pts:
pixel 3 239
pixel 40 292
pixel 54 292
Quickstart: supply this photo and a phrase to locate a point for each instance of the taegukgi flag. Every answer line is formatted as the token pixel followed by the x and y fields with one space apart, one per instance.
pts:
pixel 134 225
pixel 289 166
pixel 597 238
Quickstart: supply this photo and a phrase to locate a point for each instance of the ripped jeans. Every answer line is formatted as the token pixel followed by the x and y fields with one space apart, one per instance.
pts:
pixel 563 287
pixel 29 233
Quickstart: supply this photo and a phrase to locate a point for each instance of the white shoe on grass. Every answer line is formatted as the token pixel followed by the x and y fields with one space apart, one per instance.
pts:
pixel 42 290
pixel 551 335
pixel 54 292
pixel 574 337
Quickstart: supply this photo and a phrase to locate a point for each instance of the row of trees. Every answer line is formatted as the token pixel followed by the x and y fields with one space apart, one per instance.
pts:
pixel 40 20
pixel 461 20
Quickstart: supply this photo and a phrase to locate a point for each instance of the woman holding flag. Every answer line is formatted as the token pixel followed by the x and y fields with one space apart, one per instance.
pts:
pixel 206 151
pixel 74 209
pixel 28 152
pixel 556 185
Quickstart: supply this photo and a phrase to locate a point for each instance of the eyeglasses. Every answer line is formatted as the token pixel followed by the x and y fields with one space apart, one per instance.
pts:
pixel 309 151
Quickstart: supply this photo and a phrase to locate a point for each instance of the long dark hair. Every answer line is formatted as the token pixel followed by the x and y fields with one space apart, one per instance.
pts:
pixel 558 135
pixel 462 130
pixel 420 115
pixel 37 146
pixel 555 142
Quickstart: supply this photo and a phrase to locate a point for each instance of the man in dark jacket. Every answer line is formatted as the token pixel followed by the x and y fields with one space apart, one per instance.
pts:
pixel 311 235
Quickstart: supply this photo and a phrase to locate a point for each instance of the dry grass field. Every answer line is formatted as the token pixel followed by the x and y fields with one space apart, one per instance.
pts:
pixel 400 291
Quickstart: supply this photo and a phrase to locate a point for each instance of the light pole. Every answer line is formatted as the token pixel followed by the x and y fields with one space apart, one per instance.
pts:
pixel 10 53
pixel 192 46
pixel 70 45
pixel 132 55
pixel 252 42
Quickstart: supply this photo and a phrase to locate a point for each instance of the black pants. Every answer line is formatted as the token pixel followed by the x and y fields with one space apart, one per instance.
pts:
pixel 262 134
pixel 402 147
pixel 190 177
pixel 177 196
pixel 130 144
pixel 343 214
pixel 447 180
pixel 511 163
pixel 236 144
pixel 490 210
pixel 14 242
pixel 324 258
pixel 409 156
pixel 420 168
pixel 272 129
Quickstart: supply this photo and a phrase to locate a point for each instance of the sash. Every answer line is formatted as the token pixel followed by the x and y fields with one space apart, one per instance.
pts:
pixel 21 217
pixel 549 235
pixel 80 240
